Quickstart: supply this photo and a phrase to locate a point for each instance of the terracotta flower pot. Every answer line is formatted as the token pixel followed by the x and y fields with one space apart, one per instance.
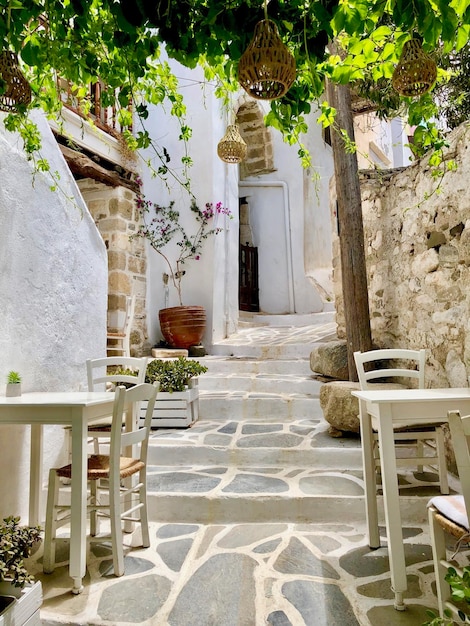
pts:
pixel 183 326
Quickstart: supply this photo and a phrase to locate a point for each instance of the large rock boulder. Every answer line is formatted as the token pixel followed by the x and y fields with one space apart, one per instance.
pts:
pixel 341 409
pixel 330 359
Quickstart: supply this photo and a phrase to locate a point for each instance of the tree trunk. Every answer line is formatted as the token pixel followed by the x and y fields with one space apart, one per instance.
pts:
pixel 351 233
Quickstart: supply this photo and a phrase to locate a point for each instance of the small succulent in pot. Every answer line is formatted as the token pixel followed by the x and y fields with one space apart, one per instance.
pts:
pixel 13 378
pixel 13 384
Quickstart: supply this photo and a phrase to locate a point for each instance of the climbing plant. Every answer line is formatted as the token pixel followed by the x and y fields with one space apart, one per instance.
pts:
pixel 121 43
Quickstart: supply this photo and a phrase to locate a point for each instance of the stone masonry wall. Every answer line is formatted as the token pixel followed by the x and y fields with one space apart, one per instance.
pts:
pixel 115 215
pixel 417 241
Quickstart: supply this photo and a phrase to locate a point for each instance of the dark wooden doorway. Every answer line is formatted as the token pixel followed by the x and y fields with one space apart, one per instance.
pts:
pixel 248 292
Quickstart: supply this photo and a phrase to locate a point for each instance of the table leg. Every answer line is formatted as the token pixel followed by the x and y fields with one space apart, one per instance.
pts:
pixel 370 486
pixel 35 476
pixel 77 566
pixel 396 552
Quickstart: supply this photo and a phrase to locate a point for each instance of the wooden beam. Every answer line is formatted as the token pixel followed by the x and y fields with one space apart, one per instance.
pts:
pixel 351 231
pixel 81 165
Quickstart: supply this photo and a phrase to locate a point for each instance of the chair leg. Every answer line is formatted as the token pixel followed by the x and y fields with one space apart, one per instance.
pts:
pixel 439 555
pixel 50 529
pixel 116 527
pixel 441 461
pixel 93 512
pixel 144 520
pixel 420 453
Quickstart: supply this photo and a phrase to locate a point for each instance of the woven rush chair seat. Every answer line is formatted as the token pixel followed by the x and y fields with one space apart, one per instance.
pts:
pixel 99 467
pixel 449 515
pixel 114 493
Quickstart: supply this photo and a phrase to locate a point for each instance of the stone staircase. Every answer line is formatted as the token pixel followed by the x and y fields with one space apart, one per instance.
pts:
pixel 258 453
pixel 257 514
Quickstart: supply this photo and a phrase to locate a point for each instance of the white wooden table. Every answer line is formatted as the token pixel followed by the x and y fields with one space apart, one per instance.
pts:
pixel 75 409
pixel 388 406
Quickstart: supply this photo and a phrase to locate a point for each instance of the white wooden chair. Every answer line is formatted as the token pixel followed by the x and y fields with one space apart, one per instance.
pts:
pixel 119 340
pixel 448 515
pixel 106 474
pixel 99 379
pixel 426 438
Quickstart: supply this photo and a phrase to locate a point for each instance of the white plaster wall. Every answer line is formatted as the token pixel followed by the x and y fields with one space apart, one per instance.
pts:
pixel 290 212
pixel 381 143
pixel 211 281
pixel 290 217
pixel 53 296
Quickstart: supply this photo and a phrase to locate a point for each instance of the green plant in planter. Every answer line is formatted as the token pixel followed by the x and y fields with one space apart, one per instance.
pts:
pixel 123 371
pixel 13 378
pixel 173 374
pixel 460 587
pixel 16 544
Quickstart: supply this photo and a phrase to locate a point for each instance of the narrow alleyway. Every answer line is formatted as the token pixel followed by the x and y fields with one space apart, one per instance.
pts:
pixel 257 514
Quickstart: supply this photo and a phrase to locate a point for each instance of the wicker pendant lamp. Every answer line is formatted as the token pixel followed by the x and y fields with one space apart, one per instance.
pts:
pixel 266 69
pixel 17 90
pixel 232 147
pixel 415 72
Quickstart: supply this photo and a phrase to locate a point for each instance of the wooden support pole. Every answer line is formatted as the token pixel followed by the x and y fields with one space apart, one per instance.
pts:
pixel 351 232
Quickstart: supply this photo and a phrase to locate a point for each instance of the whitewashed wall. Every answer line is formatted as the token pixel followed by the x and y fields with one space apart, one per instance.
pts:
pixel 289 208
pixel 289 214
pixel 211 281
pixel 53 297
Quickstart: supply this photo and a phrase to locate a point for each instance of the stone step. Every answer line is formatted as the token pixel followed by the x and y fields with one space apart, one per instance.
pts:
pixel 292 320
pixel 298 443
pixel 245 365
pixel 242 405
pixel 222 495
pixel 264 383
pixel 269 352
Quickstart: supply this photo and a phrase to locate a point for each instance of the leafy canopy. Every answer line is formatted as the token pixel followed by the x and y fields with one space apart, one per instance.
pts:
pixel 121 41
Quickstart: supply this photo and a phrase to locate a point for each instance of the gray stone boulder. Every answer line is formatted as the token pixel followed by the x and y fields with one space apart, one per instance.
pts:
pixel 330 359
pixel 341 409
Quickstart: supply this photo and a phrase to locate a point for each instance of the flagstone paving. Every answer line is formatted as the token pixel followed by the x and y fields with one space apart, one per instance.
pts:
pixel 305 562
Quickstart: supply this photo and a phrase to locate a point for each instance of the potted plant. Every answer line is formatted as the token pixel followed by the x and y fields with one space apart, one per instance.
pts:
pixel 177 403
pixel 20 596
pixel 182 326
pixel 13 384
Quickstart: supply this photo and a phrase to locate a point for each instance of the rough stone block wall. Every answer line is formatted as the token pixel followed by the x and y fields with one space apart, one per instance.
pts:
pixel 115 215
pixel 417 241
pixel 259 157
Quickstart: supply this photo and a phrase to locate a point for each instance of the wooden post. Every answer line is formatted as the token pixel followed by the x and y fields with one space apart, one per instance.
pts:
pixel 351 233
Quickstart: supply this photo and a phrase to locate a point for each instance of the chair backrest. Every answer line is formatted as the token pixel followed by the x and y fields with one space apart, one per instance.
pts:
pixel 128 316
pixel 130 309
pixel 97 371
pixel 406 364
pixel 460 432
pixel 125 437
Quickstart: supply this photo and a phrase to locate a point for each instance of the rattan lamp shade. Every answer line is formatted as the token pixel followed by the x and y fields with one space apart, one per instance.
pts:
pixel 232 147
pixel 415 72
pixel 17 90
pixel 267 68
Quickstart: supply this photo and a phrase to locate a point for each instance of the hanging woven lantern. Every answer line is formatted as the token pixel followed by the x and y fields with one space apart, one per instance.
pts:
pixel 232 147
pixel 267 68
pixel 17 90
pixel 415 72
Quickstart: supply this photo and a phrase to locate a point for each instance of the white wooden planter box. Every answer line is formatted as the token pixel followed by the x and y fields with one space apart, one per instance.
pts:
pixel 179 409
pixel 25 610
